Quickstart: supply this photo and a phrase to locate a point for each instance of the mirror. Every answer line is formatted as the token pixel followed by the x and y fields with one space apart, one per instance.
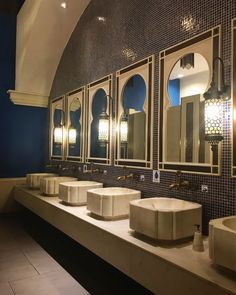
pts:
pixel 185 75
pixel 75 114
pixel 99 121
pixel 57 128
pixel 133 120
pixel 233 73
pixel 184 110
pixel 134 116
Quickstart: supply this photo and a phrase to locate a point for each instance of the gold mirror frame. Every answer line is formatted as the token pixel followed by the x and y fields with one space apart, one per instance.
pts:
pixel 53 104
pixel 80 95
pixel 144 68
pixel 105 84
pixel 233 89
pixel 214 168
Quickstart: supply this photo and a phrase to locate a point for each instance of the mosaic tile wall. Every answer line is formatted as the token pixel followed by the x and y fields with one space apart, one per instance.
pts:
pixel 113 34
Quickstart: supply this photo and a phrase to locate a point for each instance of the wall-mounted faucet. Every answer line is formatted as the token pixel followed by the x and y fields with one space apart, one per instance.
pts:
pixel 126 176
pixel 181 183
pixel 92 170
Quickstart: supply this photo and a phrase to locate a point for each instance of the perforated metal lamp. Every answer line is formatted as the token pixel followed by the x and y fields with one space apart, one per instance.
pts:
pixel 214 107
pixel 124 129
pixel 58 130
pixel 103 129
pixel 72 134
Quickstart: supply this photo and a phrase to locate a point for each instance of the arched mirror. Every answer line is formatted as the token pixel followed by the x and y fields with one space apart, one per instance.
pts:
pixel 133 120
pixel 134 117
pixel 99 123
pixel 75 124
pixel 185 75
pixel 57 122
pixel 185 136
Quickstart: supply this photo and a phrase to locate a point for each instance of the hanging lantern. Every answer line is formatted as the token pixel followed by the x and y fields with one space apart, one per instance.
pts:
pixel 58 134
pixel 103 128
pixel 124 129
pixel 72 135
pixel 187 61
pixel 214 107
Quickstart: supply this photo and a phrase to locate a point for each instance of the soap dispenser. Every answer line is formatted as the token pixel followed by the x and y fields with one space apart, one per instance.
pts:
pixel 198 240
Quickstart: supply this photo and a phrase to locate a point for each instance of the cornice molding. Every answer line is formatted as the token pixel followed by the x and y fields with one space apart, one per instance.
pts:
pixel 28 99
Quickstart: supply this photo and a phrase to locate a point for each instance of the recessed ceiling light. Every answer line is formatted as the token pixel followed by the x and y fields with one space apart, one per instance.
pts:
pixel 101 18
pixel 63 5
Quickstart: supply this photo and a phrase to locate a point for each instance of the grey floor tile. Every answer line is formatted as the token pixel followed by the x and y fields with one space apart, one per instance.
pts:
pixel 17 273
pixel 54 283
pixel 5 289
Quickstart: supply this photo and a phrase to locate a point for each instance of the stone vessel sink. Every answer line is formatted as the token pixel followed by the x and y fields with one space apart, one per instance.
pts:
pixel 75 193
pixel 111 202
pixel 165 218
pixel 50 185
pixel 33 179
pixel 222 241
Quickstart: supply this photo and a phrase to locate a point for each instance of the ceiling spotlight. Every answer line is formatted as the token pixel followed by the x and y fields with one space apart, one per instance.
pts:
pixel 63 5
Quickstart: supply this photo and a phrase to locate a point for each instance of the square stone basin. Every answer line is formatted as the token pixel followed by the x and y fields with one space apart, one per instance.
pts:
pixel 165 218
pixel 33 179
pixel 222 241
pixel 111 202
pixel 50 185
pixel 75 193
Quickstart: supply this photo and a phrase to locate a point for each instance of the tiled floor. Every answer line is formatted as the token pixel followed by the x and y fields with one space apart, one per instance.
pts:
pixel 27 269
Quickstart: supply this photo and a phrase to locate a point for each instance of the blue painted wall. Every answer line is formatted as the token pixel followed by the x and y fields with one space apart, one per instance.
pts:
pixel 174 92
pixel 24 130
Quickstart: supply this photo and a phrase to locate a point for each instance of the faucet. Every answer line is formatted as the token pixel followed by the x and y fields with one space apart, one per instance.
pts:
pixel 129 176
pixel 91 170
pixel 182 184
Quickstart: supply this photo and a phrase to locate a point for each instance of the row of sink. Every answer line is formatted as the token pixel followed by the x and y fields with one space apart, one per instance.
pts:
pixel 159 218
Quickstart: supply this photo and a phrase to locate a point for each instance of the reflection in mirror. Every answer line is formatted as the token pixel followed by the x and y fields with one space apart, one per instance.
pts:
pixel 133 120
pixel 57 140
pixel 74 131
pixel 98 147
pixel 184 111
pixel 185 75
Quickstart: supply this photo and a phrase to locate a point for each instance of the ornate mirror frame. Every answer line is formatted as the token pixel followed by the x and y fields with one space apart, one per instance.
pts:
pixel 181 49
pixel 80 94
pixel 105 84
pixel 52 107
pixel 144 68
pixel 233 89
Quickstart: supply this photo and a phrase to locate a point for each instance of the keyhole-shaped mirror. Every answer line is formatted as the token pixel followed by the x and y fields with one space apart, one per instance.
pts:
pixel 99 106
pixel 133 120
pixel 74 130
pixel 57 128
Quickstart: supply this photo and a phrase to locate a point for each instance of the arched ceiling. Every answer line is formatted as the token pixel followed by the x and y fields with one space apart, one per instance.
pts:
pixel 43 31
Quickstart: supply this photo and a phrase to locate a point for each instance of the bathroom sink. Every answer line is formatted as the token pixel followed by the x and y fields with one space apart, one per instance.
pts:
pixel 222 241
pixel 111 202
pixel 50 185
pixel 165 218
pixel 75 193
pixel 33 179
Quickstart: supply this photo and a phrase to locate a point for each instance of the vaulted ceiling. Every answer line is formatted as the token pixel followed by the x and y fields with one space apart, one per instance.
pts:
pixel 43 31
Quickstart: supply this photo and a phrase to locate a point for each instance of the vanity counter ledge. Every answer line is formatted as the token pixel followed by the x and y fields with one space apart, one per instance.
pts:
pixel 150 263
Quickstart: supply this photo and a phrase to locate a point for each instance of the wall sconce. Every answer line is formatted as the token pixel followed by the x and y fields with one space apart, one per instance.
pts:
pixel 58 130
pixel 104 125
pixel 103 128
pixel 72 134
pixel 214 106
pixel 124 129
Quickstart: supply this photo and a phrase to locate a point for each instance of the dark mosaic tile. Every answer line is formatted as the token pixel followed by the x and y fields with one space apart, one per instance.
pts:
pixel 135 29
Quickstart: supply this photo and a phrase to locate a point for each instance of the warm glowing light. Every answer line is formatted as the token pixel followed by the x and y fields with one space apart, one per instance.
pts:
pixel 180 76
pixel 72 135
pixel 123 131
pixel 101 18
pixel 213 119
pixel 103 130
pixel 58 135
pixel 63 5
